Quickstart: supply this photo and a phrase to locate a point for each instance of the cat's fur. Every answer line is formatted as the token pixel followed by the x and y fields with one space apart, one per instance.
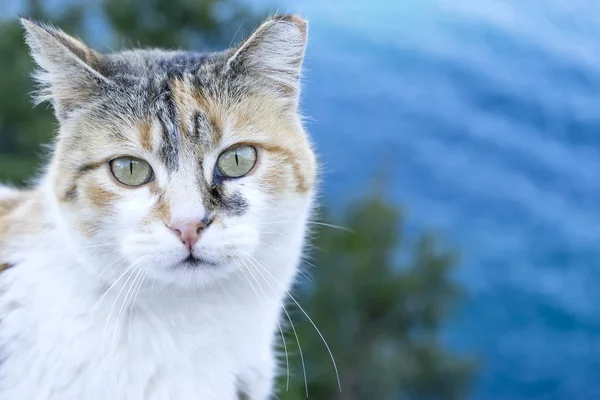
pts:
pixel 93 302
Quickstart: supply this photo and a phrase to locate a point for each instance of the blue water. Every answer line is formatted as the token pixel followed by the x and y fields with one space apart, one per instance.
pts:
pixel 486 114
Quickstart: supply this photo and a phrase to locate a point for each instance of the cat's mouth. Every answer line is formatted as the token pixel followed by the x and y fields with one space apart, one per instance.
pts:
pixel 193 261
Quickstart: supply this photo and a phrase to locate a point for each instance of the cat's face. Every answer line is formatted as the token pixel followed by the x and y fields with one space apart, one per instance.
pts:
pixel 182 165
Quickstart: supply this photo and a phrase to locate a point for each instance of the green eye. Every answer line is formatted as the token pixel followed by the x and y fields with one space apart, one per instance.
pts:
pixel 237 161
pixel 131 171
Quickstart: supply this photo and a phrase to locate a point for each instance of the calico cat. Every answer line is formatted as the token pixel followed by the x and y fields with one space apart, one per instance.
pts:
pixel 151 259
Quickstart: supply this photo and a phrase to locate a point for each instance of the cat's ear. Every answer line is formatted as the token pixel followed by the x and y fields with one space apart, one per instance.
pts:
pixel 68 72
pixel 275 51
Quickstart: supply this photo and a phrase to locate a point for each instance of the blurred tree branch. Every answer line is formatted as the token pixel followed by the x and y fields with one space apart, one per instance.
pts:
pixel 381 302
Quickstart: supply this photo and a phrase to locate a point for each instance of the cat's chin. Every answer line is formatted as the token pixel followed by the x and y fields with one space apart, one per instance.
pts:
pixel 193 261
pixel 193 272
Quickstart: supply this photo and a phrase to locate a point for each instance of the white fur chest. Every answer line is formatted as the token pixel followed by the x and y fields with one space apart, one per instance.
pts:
pixel 58 343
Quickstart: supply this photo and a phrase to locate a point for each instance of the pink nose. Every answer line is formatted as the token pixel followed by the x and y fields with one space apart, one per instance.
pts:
pixel 189 233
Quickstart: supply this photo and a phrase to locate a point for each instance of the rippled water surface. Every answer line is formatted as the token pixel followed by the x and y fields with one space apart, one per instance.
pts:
pixel 487 114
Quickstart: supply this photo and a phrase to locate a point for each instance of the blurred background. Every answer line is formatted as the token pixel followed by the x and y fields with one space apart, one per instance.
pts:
pixel 460 144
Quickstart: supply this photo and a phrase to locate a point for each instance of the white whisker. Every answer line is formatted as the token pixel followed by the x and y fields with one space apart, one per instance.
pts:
pixel 305 276
pixel 137 292
pixel 96 305
pixel 124 304
pixel 291 324
pixel 248 281
pixel 131 272
pixel 339 227
pixel 307 262
pixel 309 319
pixel 287 362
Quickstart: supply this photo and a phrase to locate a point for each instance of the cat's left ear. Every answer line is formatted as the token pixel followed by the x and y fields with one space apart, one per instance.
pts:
pixel 69 71
pixel 275 51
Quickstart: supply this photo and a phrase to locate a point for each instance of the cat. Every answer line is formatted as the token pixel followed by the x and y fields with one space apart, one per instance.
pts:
pixel 152 257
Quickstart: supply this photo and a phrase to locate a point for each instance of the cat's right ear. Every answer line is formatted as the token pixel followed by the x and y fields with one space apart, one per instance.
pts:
pixel 68 72
pixel 274 51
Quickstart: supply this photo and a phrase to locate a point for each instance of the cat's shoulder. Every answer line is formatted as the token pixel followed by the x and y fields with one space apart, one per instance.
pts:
pixel 10 199
pixel 14 206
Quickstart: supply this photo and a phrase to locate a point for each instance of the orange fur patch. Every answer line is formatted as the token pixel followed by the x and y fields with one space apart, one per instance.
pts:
pixel 303 183
pixel 215 112
pixel 99 196
pixel 287 143
pixel 184 102
pixel 189 101
pixel 145 133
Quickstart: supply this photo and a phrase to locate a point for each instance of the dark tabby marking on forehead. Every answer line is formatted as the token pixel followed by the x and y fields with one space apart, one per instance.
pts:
pixel 211 110
pixel 202 128
pixel 172 68
pixel 167 115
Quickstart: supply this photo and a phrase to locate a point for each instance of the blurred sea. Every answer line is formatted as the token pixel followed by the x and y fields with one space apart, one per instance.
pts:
pixel 487 115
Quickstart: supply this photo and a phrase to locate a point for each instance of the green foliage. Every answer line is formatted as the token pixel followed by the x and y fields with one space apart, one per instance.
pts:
pixel 380 302
pixel 189 24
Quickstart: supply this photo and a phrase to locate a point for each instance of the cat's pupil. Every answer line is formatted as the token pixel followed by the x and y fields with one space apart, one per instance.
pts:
pixel 236 159
pixel 131 167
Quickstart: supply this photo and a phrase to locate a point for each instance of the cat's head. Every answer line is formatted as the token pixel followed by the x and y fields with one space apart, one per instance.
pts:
pixel 187 165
